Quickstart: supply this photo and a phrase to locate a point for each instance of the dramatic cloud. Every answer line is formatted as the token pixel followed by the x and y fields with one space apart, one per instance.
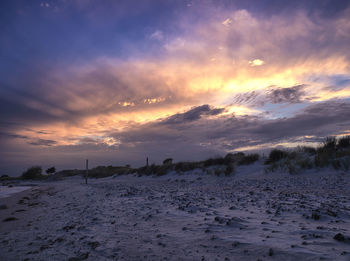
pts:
pixel 83 78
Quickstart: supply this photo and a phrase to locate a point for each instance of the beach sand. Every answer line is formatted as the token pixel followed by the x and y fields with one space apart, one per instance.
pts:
pixel 194 216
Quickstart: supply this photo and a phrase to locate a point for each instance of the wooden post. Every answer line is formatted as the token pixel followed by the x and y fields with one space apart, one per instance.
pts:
pixel 87 171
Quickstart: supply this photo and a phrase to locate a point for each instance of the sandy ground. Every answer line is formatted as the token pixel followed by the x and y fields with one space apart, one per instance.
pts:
pixel 250 216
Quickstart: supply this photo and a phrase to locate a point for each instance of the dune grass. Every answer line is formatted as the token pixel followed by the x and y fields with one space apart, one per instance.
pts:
pixel 333 152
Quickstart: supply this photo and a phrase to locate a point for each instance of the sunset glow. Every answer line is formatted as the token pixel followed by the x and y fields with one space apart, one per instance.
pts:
pixel 116 83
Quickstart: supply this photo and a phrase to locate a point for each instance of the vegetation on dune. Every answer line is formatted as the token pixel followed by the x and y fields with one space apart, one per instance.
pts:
pixel 34 172
pixel 97 172
pixel 248 159
pixel 333 152
pixel 69 173
pixel 102 171
pixel 275 156
pixel 6 177
pixel 167 161
pixel 222 165
pixel 50 171
pixel 344 142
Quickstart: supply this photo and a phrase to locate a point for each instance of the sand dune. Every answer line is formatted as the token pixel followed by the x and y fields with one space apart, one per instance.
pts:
pixel 193 216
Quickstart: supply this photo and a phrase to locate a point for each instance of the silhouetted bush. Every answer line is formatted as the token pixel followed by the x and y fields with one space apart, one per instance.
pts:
pixel 187 166
pixel 330 143
pixel 51 170
pixel 344 142
pixel 69 173
pixel 276 155
pixel 233 157
pixel 293 163
pixel 5 177
pixel 326 152
pixel 145 170
pixel 161 170
pixel 168 161
pixel 293 155
pixel 306 149
pixel 103 171
pixel 228 159
pixel 334 152
pixel 248 159
pixel 342 153
pixel 213 162
pixel 154 169
pixel 34 172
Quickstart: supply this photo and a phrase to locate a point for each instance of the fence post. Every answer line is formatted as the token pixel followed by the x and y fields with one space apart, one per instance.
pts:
pixel 87 171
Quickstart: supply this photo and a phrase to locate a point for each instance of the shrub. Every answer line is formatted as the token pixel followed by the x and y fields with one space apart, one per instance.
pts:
pixel 69 173
pixel 187 166
pixel 34 172
pixel 292 155
pixel 143 170
pixel 154 169
pixel 162 169
pixel 326 153
pixel 276 155
pixel 330 143
pixel 103 171
pixel 233 157
pixel 213 162
pixel 50 170
pixel 308 150
pixel 344 142
pixel 342 153
pixel 4 177
pixel 228 159
pixel 168 161
pixel 332 152
pixel 248 159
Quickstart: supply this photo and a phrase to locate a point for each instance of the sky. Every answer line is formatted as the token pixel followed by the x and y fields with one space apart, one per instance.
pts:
pixel 119 81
